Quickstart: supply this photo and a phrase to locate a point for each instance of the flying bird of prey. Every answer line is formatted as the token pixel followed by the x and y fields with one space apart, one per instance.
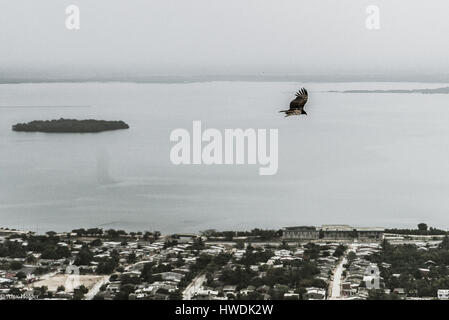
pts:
pixel 297 105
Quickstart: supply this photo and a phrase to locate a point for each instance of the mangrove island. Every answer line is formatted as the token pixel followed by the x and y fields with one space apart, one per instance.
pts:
pixel 70 125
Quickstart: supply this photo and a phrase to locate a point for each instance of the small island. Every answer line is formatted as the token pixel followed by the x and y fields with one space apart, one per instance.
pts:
pixel 69 126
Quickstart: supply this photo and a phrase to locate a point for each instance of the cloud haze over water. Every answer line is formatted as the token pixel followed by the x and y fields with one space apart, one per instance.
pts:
pixel 121 39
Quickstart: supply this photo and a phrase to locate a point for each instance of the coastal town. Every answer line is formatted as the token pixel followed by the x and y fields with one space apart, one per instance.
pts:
pixel 337 262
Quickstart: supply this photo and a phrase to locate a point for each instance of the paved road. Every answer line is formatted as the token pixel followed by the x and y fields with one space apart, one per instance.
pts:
pixel 96 288
pixel 193 287
pixel 336 283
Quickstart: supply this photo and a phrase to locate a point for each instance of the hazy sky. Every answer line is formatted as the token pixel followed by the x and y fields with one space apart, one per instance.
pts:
pixel 224 37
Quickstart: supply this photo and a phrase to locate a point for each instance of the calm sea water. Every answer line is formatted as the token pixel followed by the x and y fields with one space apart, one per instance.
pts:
pixel 361 159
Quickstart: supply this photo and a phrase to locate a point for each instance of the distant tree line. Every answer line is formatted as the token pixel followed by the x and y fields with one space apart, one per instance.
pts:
pixel 116 234
pixel 256 234
pixel 422 230
pixel 47 245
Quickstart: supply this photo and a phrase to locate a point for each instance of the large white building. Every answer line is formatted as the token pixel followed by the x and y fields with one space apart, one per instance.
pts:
pixel 333 232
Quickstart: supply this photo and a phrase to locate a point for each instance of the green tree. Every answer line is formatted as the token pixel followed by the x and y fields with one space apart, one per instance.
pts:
pixel 175 295
pixel 50 233
pixel 340 251
pixel 422 227
pixel 379 294
pixel 147 272
pixel 15 291
pixel 15 265
pixel 125 291
pixel 240 245
pixel 83 289
pixel 445 243
pixel 77 294
pixel 132 258
pixel 40 291
pixel 30 259
pixel 351 256
pixel 85 256
pixel 96 243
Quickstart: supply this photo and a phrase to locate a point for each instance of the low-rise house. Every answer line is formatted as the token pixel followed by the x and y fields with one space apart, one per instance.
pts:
pixel 172 276
pixel 315 293
pixel 229 288
pixel 424 271
pixel 430 263
pixel 263 289
pixel 204 294
pixel 113 287
pixel 443 294
pixel 254 267
pixel 291 296
pixel 399 291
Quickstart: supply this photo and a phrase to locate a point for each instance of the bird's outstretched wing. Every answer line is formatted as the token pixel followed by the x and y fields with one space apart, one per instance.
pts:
pixel 301 99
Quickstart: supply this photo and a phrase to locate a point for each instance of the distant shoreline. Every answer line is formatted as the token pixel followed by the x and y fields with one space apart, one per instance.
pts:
pixel 227 78
pixel 442 90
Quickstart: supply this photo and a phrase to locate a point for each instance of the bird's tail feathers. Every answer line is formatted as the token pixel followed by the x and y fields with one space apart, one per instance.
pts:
pixel 287 112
